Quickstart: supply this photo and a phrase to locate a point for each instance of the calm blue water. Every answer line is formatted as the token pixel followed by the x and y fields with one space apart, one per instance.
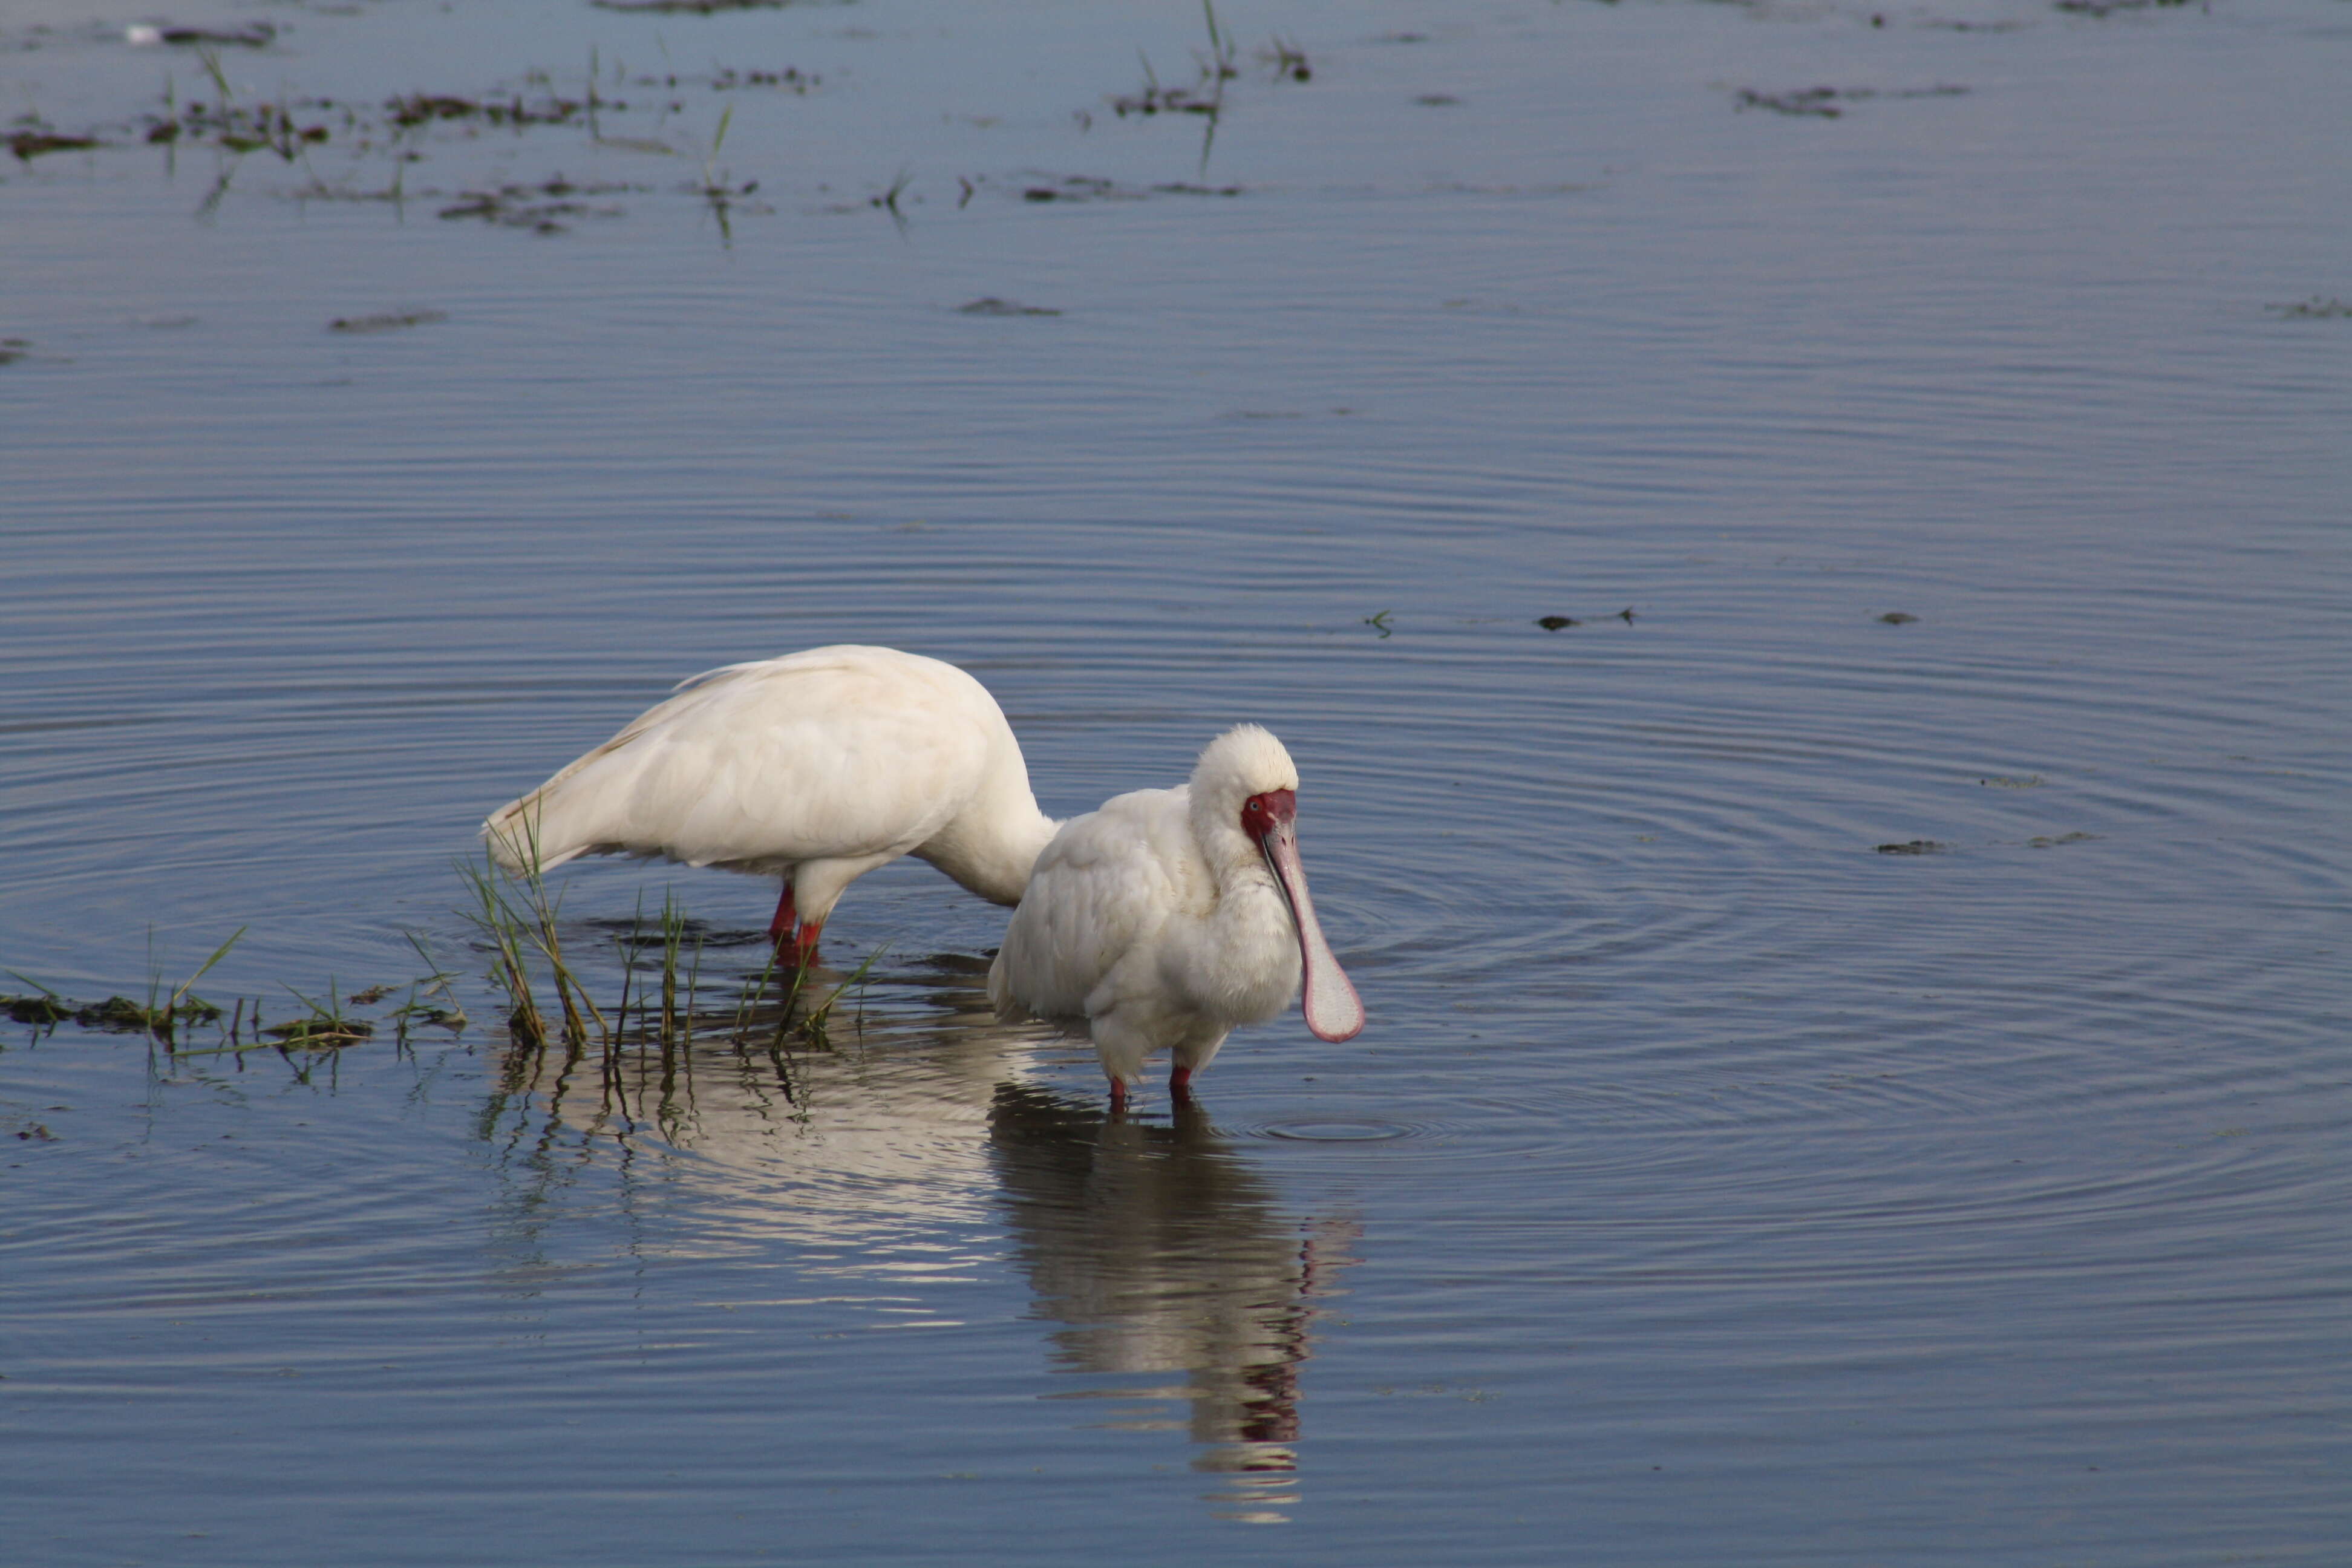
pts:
pixel 1708 1188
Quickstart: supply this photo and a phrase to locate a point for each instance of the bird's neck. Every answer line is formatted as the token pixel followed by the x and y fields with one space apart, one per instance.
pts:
pixel 991 852
pixel 1240 958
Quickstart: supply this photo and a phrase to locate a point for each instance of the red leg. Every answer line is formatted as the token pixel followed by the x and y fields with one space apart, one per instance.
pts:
pixel 1119 1097
pixel 1179 1083
pixel 795 939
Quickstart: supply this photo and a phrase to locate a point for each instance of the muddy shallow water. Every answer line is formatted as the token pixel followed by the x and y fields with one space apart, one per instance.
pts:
pixel 1856 1062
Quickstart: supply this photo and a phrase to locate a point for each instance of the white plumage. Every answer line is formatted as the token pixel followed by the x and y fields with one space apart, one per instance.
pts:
pixel 1169 916
pixel 816 767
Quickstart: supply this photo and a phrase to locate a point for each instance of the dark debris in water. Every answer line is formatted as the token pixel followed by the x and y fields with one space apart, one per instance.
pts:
pixel 1916 846
pixel 1828 103
pixel 384 321
pixel 13 349
pixel 163 1018
pixel 1898 617
pixel 323 1033
pixel 1821 102
pixel 1205 94
pixel 2047 842
pixel 115 1015
pixel 1157 99
pixel 1562 622
pixel 2103 8
pixel 1288 60
pixel 2006 781
pixel 990 305
pixel 121 1015
pixel 243 128
pixel 543 208
pixel 1088 189
pixel 2315 308
pixel 251 35
pixel 35 142
pixel 687 7
pixel 790 79
pixel 37 1010
pixel 419 107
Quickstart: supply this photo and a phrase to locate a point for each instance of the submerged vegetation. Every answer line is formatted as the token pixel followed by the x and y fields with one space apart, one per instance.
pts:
pixel 29 141
pixel 162 1015
pixel 410 128
pixel 662 1004
pixel 1204 95
pixel 688 7
pixel 1831 102
pixel 547 208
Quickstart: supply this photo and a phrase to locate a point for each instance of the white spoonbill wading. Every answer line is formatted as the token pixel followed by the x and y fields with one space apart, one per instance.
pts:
pixel 816 767
pixel 1172 915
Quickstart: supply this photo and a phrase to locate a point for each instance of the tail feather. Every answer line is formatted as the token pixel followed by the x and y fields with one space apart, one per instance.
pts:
pixel 1000 994
pixel 515 840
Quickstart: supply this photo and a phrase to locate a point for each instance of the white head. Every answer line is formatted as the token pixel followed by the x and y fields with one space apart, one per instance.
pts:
pixel 1246 759
pixel 1245 791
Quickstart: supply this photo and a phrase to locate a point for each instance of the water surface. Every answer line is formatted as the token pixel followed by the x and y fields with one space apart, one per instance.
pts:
pixel 1708 1186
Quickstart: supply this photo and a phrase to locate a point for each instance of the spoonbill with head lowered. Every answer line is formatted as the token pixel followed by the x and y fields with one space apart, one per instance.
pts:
pixel 816 767
pixel 1170 915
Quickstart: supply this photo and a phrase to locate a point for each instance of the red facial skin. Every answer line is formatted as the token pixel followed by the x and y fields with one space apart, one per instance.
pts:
pixel 1261 814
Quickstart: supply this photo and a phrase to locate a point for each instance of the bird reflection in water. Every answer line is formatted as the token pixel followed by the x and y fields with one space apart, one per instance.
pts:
pixel 907 1152
pixel 1163 1251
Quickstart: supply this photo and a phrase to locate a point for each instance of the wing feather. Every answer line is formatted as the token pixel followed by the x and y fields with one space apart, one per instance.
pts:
pixel 1096 902
pixel 831 752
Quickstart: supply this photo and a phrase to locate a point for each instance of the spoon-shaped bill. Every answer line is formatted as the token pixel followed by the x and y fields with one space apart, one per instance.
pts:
pixel 1334 1011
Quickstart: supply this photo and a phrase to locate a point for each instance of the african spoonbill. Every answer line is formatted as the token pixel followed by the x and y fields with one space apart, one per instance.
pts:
pixel 816 767
pixel 1169 916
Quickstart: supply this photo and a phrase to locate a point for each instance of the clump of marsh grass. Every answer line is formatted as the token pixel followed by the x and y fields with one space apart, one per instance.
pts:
pixel 659 1004
pixel 515 914
pixel 635 1060
pixel 1288 60
pixel 1205 95
pixel 42 1010
pixel 182 1004
pixel 325 1027
pixel 717 188
pixel 554 985
pixel 417 1007
pixel 164 1015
